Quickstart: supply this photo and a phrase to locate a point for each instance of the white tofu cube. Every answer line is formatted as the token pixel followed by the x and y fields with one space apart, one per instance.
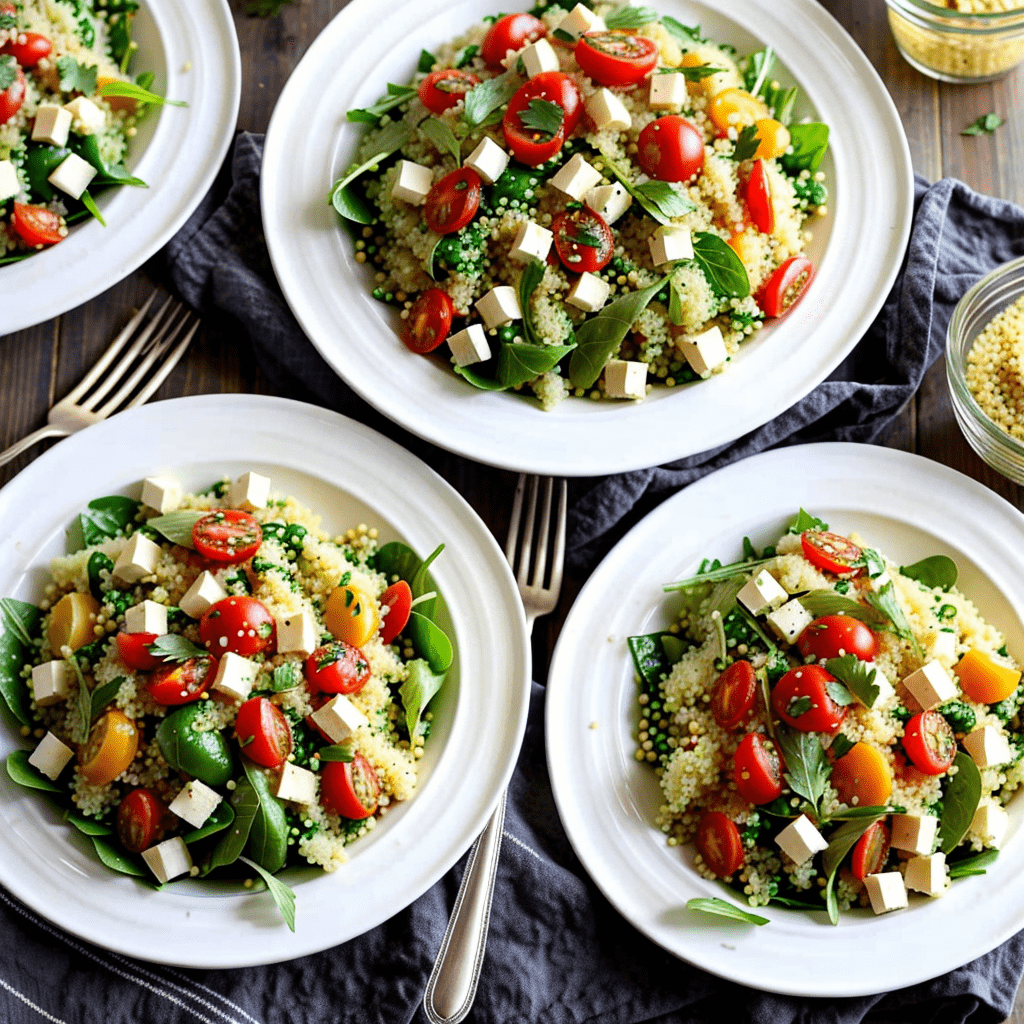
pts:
pixel 50 682
pixel 608 112
pixel 885 688
pixel 927 874
pixel 576 177
pixel 148 617
pixel 195 803
pixel 206 591
pixel 52 124
pixel 470 345
pixel 168 859
pixel 886 892
pixel 296 784
pixel 538 57
pixel 914 833
pixel 670 243
pixel 988 747
pixel 579 21
pixel 138 558
pixel 51 757
pixel 161 493
pixel 235 675
pixel 489 160
pixel 625 379
pixel 789 621
pixel 499 306
pixel 609 201
pixel 800 840
pixel 298 634
pixel 941 645
pixel 930 685
pixel 249 491
pixel 879 581
pixel 990 824
pixel 589 293
pixel 339 718
pixel 72 175
pixel 668 91
pixel 412 183
pixel 762 593
pixel 531 243
pixel 10 186
pixel 88 117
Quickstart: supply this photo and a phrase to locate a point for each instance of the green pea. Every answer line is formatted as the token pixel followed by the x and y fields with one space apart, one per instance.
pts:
pixel 204 755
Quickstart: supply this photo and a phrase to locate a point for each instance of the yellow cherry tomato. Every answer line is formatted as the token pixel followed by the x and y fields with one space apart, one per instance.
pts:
pixel 862 777
pixel 110 748
pixel 773 138
pixel 983 680
pixel 351 615
pixel 735 108
pixel 72 622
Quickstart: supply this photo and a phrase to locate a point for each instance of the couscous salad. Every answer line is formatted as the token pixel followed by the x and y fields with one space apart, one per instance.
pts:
pixel 585 202
pixel 830 729
pixel 213 685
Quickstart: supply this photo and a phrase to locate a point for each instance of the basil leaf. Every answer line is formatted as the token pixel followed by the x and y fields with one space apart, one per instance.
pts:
pixel 103 695
pixel 417 689
pixel 827 602
pixel 394 97
pixel 246 803
pixel 873 562
pixel 442 137
pixel 808 143
pixel 343 197
pixel 714 905
pixel 857 812
pixel 135 92
pixel 631 17
pixel 665 197
pixel 805 521
pixel 87 826
pixel 27 775
pixel 105 518
pixel 284 895
pixel 486 97
pixel 529 279
pixel 177 526
pixel 933 571
pixel 721 266
pixel 286 677
pixel 857 676
pixel 221 817
pixel 8 68
pixel 478 380
pixel 115 860
pixel 336 752
pixel 422 583
pixel 20 622
pixel 799 706
pixel 973 865
pixel 518 363
pixel 430 642
pixel 465 55
pixel 959 802
pixel 808 770
pixel 268 836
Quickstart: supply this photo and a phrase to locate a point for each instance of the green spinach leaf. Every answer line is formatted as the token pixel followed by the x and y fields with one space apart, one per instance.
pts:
pixel 933 571
pixel 20 621
pixel 808 143
pixel 27 775
pixel 416 691
pixel 114 859
pixel 960 800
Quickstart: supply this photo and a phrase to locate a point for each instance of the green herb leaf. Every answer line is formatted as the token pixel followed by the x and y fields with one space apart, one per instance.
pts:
pixel 650 657
pixel 177 526
pixel 87 826
pixel 808 143
pixel 873 562
pixel 973 865
pixel 337 752
pixel 220 818
pixel 74 77
pixel 805 521
pixel 631 17
pixel 478 380
pixel 758 67
pixel 826 602
pixel 430 642
pixel 960 800
pixel 808 772
pixel 284 895
pixel 417 689
pixel 858 812
pixel 665 197
pixel 174 647
pixel 781 101
pixel 20 621
pixel 985 125
pixel 518 363
pixel 268 837
pixel 543 117
pixel 90 204
pixel 466 55
pixel 721 266
pixel 343 197
pixel 115 860
pixel 858 677
pixel 722 908
pixel 442 137
pixel 683 33
pixel 485 98
pixel 8 71
pixel 839 693
pixel 27 775
pixel 723 572
pixel 394 97
pixel 105 518
pixel 840 843
pixel 133 91
pixel 245 802
pixel 746 144
pixel 697 74
pixel 884 600
pixel 675 303
pixel 799 706
pixel 286 677
pixel 840 745
pixel 426 62
pixel 933 571
pixel 81 712
pixel 103 695
pixel 564 37
pixel 529 279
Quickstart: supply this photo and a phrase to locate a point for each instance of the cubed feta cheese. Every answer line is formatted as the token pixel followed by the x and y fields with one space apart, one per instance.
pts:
pixel 914 833
pixel 589 293
pixel 161 493
pixel 470 345
pixel 886 891
pixel 195 803
pixel 249 491
pixel 296 784
pixel 50 682
pixel 927 874
pixel 579 21
pixel 10 186
pixel 532 242
pixel 668 91
pixel 608 112
pixel 941 645
pixel 539 57
pixel 800 840
pixel 762 593
pixel 88 117
pixel 147 617
pixel 576 177
pixel 489 160
pixel 670 243
pixel 298 634
pixel 990 824
pixel 789 621
pixel 51 757
pixel 885 688
pixel 412 182
pixel 499 306
pixel 609 201
pixel 72 175
pixel 930 685
pixel 52 124
pixel 138 558
pixel 206 591
pixel 339 718
pixel 625 379
pixel 235 675
pixel 988 747
pixel 168 859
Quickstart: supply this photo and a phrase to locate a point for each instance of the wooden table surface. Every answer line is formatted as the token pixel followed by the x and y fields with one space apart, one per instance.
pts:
pixel 41 364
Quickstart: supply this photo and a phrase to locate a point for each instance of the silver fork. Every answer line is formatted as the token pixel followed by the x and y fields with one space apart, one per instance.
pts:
pixel 154 350
pixel 453 981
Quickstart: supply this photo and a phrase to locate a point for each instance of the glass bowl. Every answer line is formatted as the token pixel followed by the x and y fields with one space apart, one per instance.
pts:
pixel 961 42
pixel 991 295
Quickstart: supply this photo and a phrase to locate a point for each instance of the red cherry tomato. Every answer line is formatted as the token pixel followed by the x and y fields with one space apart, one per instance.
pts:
pixel 133 648
pixel 869 854
pixel 800 699
pixel 756 770
pixel 512 32
pixel 398 598
pixel 616 58
pixel 350 788
pixel 929 742
pixel 12 97
pixel 583 240
pixel 263 732
pixel 429 321
pixel 670 149
pixel 227 535
pixel 441 90
pixel 453 201
pixel 337 667
pixel 786 285
pixel 832 552
pixel 719 843
pixel 241 625
pixel 30 52
pixel 36 224
pixel 182 682
pixel 758 194
pixel 733 694
pixel 834 635
pixel 532 147
pixel 140 820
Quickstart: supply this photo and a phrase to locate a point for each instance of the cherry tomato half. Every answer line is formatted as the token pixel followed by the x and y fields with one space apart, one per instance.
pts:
pixel 616 58
pixel 834 635
pixel 862 777
pixel 337 667
pixel 227 535
pixel 30 52
pixel 758 194
pixel 670 149
pixel 133 648
pixel 441 90
pixel 512 32
pixel 786 285
pixel 533 147
pixel 453 201
pixel 756 770
pixel 263 732
pixel 583 240
pixel 12 97
pixel 36 224
pixel 140 820
pixel 241 625
pixel 929 742
pixel 398 599
pixel 832 552
pixel 350 788
pixel 429 321
pixel 111 747
pixel 182 682
pixel 733 694
pixel 719 843
pixel 800 699
pixel 868 857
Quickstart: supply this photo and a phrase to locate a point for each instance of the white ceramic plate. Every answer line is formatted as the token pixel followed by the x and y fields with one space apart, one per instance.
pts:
pixel 193 51
pixel 351 475
pixel 857 248
pixel 910 507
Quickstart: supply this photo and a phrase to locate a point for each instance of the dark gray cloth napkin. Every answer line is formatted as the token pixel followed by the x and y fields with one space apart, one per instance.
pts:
pixel 558 953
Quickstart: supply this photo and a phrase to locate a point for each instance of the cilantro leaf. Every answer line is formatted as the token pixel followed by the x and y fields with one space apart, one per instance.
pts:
pixel 74 77
pixel 669 201
pixel 885 602
pixel 985 125
pixel 485 98
pixel 858 678
pixel 543 116
pixel 808 772
pixel 174 647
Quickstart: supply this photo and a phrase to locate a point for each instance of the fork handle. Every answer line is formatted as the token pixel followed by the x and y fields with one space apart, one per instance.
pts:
pixel 26 442
pixel 452 984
